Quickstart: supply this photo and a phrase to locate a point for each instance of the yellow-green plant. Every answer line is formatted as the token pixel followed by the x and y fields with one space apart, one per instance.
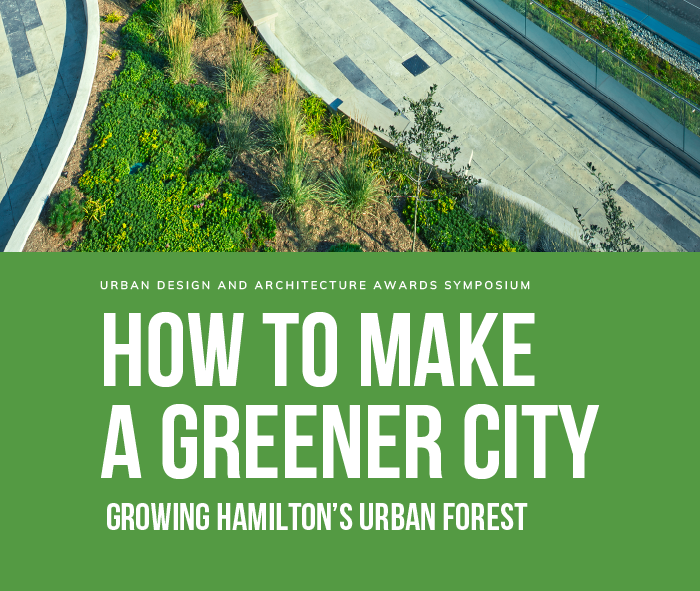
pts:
pixel 315 113
pixel 112 17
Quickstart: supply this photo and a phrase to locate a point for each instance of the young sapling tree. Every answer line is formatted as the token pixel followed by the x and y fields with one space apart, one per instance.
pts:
pixel 614 237
pixel 424 145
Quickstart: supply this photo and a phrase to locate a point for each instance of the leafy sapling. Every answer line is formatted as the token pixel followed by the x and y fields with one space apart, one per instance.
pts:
pixel 613 238
pixel 420 148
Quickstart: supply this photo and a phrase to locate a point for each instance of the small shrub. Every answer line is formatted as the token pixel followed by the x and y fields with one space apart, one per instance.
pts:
pixel 112 17
pixel 112 56
pixel 259 48
pixel 422 147
pixel 165 11
pixel 338 129
pixel 236 9
pixel 64 212
pixel 614 237
pixel 212 17
pixel 345 247
pixel 237 121
pixel 180 37
pixel 276 66
pixel 315 114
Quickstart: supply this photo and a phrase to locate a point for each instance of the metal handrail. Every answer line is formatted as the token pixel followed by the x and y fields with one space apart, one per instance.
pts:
pixel 612 51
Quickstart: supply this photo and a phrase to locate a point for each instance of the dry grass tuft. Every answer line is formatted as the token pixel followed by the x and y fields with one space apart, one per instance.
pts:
pixel 180 37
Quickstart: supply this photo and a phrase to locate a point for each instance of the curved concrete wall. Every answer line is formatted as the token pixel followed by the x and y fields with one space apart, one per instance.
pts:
pixel 70 132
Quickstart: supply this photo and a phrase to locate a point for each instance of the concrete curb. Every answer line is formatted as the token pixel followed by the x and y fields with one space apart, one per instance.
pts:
pixel 70 132
pixel 298 72
pixel 371 114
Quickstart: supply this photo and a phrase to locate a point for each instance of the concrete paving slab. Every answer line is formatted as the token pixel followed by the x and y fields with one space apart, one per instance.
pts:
pixel 487 155
pixel 21 194
pixel 519 150
pixel 8 76
pixel 511 115
pixel 480 89
pixel 30 85
pixel 7 221
pixel 531 113
pixel 459 72
pixel 342 15
pixel 569 192
pixel 579 173
pixel 14 123
pixel 324 42
pixel 36 108
pixel 476 110
pixel 520 117
pixel 45 158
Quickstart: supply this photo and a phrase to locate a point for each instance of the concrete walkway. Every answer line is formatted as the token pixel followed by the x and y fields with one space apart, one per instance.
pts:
pixel 531 130
pixel 42 49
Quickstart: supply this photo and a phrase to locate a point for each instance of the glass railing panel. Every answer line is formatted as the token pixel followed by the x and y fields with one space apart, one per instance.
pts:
pixel 641 96
pixel 692 131
pixel 580 56
pixel 511 12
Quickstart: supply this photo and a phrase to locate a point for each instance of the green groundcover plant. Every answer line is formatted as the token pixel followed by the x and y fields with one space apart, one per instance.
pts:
pixel 154 180
pixel 345 247
pixel 447 227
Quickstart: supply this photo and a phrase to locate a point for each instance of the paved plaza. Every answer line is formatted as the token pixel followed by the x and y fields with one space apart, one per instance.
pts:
pixel 42 49
pixel 532 131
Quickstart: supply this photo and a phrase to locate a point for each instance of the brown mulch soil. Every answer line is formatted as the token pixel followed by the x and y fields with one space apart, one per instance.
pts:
pixel 316 229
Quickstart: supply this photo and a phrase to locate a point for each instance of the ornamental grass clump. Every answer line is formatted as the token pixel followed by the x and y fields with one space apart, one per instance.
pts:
pixel 165 12
pixel 180 38
pixel 517 222
pixel 354 185
pixel 212 17
pixel 297 182
pixel 65 212
pixel 286 126
pixel 237 124
pixel 245 70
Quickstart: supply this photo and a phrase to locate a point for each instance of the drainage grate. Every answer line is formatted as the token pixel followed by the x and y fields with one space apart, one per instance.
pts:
pixel 415 65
